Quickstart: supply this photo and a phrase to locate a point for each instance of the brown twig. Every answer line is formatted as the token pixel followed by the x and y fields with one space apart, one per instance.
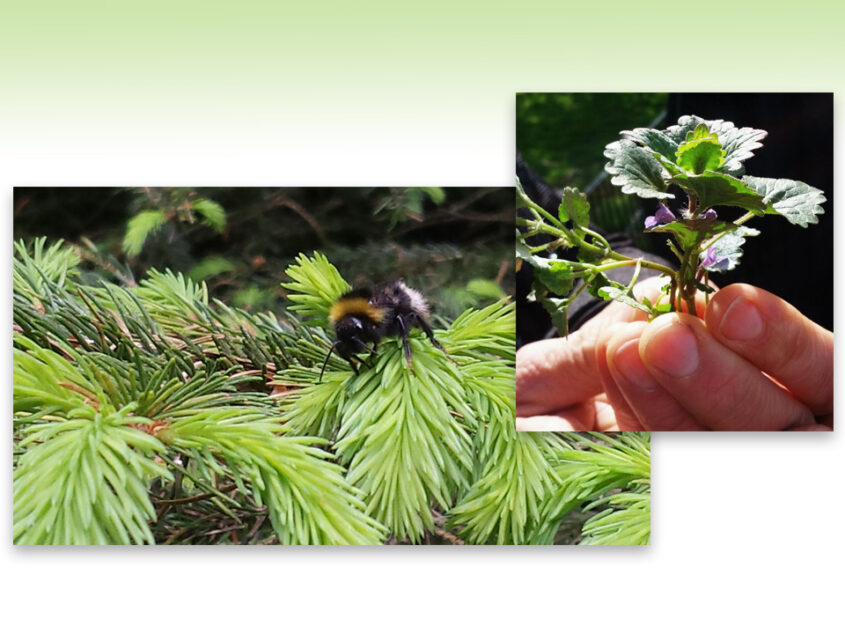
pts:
pixel 279 200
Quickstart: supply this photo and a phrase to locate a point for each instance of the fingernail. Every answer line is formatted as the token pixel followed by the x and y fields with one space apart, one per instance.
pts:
pixel 741 321
pixel 673 349
pixel 627 361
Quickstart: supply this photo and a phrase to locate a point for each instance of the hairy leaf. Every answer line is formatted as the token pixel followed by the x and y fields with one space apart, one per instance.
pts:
pixel 727 249
pixel 700 152
pixel 635 170
pixel 623 295
pixel 712 189
pixel 574 207
pixel 796 201
pixel 555 275
pixel 738 143
pixel 656 140
pixel 691 232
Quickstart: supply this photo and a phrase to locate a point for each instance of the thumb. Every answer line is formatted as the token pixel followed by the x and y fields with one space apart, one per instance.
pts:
pixel 553 374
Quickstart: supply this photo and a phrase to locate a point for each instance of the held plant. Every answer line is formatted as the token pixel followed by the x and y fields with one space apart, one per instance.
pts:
pixel 705 229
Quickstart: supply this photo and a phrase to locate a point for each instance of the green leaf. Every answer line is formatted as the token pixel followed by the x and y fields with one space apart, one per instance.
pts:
pixel 656 140
pixel 700 132
pixel 215 216
pixel 141 227
pixel 712 189
pixel 34 266
pixel 252 297
pixel 738 143
pixel 700 152
pixel 485 288
pixel 558 312
pixel 436 194
pixel 624 295
pixel 574 207
pixel 502 505
pixel 691 232
pixel 668 165
pixel 796 201
pixel 306 494
pixel 210 267
pixel 728 246
pixel 555 275
pixel 595 281
pixel 635 170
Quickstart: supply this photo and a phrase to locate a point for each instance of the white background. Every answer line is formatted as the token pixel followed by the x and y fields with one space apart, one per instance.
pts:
pixel 746 527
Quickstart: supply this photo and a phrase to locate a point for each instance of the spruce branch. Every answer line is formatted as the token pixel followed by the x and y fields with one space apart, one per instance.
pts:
pixel 587 472
pixel 406 438
pixel 111 397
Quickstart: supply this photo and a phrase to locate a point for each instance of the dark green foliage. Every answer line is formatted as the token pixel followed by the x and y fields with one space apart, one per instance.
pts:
pixel 240 240
pixel 586 121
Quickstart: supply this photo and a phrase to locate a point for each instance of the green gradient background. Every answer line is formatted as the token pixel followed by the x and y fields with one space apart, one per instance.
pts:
pixel 438 77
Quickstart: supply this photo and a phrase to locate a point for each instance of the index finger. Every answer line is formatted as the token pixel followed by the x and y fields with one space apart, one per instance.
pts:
pixel 775 337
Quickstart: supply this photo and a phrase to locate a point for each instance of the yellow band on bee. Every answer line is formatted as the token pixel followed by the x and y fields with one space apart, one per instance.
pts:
pixel 354 306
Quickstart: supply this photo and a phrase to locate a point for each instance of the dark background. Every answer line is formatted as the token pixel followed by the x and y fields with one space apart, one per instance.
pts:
pixel 454 244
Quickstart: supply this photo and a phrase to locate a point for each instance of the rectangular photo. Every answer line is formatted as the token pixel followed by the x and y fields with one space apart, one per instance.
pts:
pixel 675 261
pixel 297 366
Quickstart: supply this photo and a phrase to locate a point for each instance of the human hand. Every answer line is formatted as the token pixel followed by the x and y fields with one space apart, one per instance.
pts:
pixel 753 364
pixel 558 385
pixel 732 371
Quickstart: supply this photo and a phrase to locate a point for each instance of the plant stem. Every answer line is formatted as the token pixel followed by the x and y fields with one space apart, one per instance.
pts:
pixel 739 222
pixel 624 260
pixel 745 218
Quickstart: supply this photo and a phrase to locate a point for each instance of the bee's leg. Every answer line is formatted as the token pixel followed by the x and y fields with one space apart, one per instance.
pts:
pixel 373 351
pixel 352 364
pixel 430 334
pixel 406 344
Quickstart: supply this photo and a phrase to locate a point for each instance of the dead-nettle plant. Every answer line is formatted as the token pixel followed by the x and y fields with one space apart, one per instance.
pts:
pixel 702 158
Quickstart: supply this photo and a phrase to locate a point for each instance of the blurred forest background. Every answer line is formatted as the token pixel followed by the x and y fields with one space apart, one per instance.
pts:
pixel 453 244
pixel 561 137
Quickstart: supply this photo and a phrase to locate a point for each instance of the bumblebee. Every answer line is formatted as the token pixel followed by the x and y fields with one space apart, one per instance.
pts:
pixel 363 316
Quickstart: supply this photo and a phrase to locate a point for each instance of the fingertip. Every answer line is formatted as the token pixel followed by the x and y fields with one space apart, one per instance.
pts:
pixel 623 357
pixel 669 346
pixel 738 313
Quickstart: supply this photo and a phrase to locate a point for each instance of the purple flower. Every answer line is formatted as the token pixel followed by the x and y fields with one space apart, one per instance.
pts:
pixel 710 214
pixel 661 217
pixel 713 262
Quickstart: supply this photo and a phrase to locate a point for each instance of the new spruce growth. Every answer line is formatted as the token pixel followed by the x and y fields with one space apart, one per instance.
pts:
pixel 153 414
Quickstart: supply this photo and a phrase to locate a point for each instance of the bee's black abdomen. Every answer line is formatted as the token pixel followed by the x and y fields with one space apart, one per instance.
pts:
pixel 405 308
pixel 362 316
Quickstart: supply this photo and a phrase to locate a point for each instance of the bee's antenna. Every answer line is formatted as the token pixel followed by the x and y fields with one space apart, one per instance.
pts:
pixel 323 369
